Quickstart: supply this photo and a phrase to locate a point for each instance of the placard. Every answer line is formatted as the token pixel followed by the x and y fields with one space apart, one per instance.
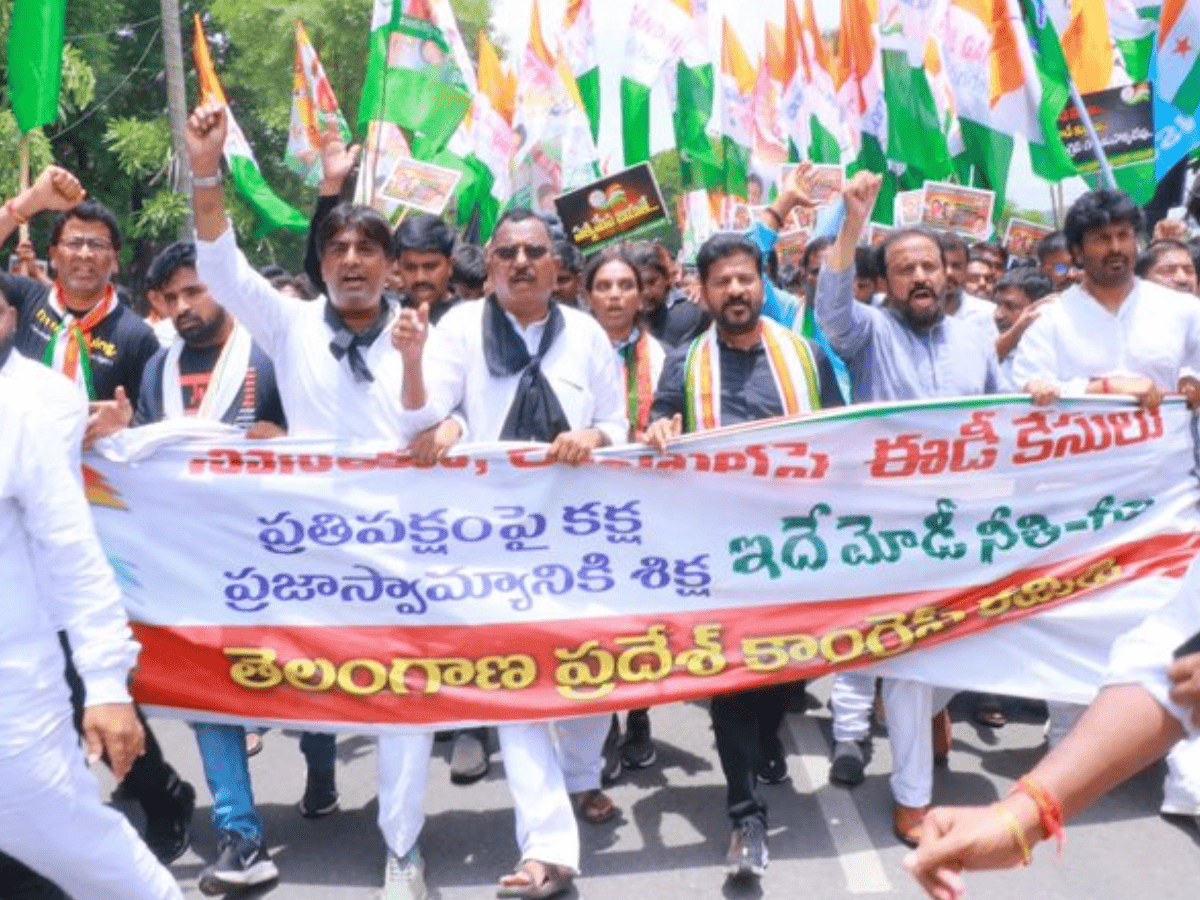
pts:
pixel 421 185
pixel 1022 237
pixel 1124 121
pixel 615 208
pixel 953 207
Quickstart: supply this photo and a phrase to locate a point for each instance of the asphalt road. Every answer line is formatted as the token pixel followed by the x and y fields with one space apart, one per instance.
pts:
pixel 825 841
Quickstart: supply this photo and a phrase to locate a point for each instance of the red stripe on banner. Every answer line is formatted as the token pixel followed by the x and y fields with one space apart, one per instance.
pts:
pixel 543 670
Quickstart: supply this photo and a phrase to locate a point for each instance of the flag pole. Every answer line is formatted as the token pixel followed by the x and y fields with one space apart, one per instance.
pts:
pixel 23 182
pixel 1098 151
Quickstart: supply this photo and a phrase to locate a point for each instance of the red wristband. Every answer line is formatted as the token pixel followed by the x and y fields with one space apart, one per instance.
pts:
pixel 1049 811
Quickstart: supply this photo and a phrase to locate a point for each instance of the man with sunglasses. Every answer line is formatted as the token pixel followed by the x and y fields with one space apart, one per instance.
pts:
pixel 518 366
pixel 1054 258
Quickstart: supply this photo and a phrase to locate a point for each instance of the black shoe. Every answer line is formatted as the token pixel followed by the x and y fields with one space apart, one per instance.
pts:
pixel 241 863
pixel 637 749
pixel 611 754
pixel 747 857
pixel 320 795
pixel 169 830
pixel 773 770
pixel 849 763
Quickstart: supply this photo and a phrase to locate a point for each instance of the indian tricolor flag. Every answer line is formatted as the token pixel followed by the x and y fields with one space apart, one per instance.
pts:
pixel 813 110
pixel 1133 24
pixel 493 141
pixel 736 110
pixel 658 32
pixel 556 153
pixel 1179 55
pixel 273 212
pixel 915 137
pixel 691 97
pixel 314 108
pixel 859 79
pixel 579 48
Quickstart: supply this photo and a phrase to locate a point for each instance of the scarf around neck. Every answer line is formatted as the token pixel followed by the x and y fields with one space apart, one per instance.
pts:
pixel 352 345
pixel 535 414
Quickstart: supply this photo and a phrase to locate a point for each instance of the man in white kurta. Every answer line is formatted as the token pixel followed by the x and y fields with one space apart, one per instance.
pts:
pixel 51 817
pixel 581 370
pixel 340 378
pixel 1114 333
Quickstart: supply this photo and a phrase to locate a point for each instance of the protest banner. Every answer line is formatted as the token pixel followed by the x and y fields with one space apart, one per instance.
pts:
pixel 343 585
pixel 1021 237
pixel 385 146
pixel 1124 121
pixel 616 208
pixel 963 210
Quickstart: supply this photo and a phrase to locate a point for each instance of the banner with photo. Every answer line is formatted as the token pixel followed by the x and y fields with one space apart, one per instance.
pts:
pixel 339 585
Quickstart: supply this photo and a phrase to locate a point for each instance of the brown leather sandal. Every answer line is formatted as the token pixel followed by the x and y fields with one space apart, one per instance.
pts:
pixel 594 807
pixel 535 880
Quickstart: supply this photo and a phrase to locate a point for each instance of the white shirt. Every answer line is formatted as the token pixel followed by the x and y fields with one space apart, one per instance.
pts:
pixel 319 393
pixel 1153 334
pixel 45 524
pixel 1143 655
pixel 580 366
pixel 979 312
pixel 60 401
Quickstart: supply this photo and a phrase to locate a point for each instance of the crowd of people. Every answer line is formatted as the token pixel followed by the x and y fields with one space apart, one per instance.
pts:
pixel 410 335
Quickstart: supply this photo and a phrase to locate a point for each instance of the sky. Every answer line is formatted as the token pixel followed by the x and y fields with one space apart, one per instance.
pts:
pixel 748 17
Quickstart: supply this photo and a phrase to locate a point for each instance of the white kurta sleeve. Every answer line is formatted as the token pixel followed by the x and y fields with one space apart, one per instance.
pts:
pixel 78 583
pixel 244 293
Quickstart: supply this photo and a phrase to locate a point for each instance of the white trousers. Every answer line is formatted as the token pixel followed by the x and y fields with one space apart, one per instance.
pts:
pixel 546 827
pixel 909 706
pixel 851 699
pixel 581 745
pixel 52 820
pixel 1181 787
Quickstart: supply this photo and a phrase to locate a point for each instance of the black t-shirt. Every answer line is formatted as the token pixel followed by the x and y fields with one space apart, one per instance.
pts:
pixel 258 401
pixel 748 391
pixel 120 345
pixel 677 321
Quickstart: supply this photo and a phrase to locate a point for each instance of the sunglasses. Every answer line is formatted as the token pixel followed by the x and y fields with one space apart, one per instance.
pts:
pixel 533 252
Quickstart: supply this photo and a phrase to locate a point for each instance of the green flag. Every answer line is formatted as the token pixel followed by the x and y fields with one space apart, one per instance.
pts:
pixel 412 79
pixel 35 46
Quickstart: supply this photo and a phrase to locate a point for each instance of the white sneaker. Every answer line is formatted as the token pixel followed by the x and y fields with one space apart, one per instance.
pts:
pixel 404 876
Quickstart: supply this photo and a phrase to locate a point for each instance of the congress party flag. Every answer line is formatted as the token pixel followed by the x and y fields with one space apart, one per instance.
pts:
pixel 579 46
pixel 35 46
pixel 273 212
pixel 1048 156
pixel 314 108
pixel 413 77
pixel 736 111
pixel 915 137
pixel 658 32
pixel 1134 25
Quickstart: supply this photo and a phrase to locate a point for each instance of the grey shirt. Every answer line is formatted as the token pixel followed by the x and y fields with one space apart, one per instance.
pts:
pixel 889 360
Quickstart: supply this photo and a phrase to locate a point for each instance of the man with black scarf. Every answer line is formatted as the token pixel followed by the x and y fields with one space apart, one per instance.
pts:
pixel 518 366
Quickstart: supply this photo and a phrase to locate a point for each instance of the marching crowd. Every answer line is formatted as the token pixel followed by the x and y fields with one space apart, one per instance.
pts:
pixel 407 337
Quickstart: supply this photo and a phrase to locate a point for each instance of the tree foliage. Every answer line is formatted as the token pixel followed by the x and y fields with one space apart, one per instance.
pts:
pixel 113 130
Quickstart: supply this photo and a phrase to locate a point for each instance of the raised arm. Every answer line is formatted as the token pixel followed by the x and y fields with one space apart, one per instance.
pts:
pixel 231 280
pixel 845 322
pixel 337 162
pixel 55 189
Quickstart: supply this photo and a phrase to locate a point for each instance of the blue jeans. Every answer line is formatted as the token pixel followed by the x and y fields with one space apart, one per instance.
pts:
pixel 227 769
